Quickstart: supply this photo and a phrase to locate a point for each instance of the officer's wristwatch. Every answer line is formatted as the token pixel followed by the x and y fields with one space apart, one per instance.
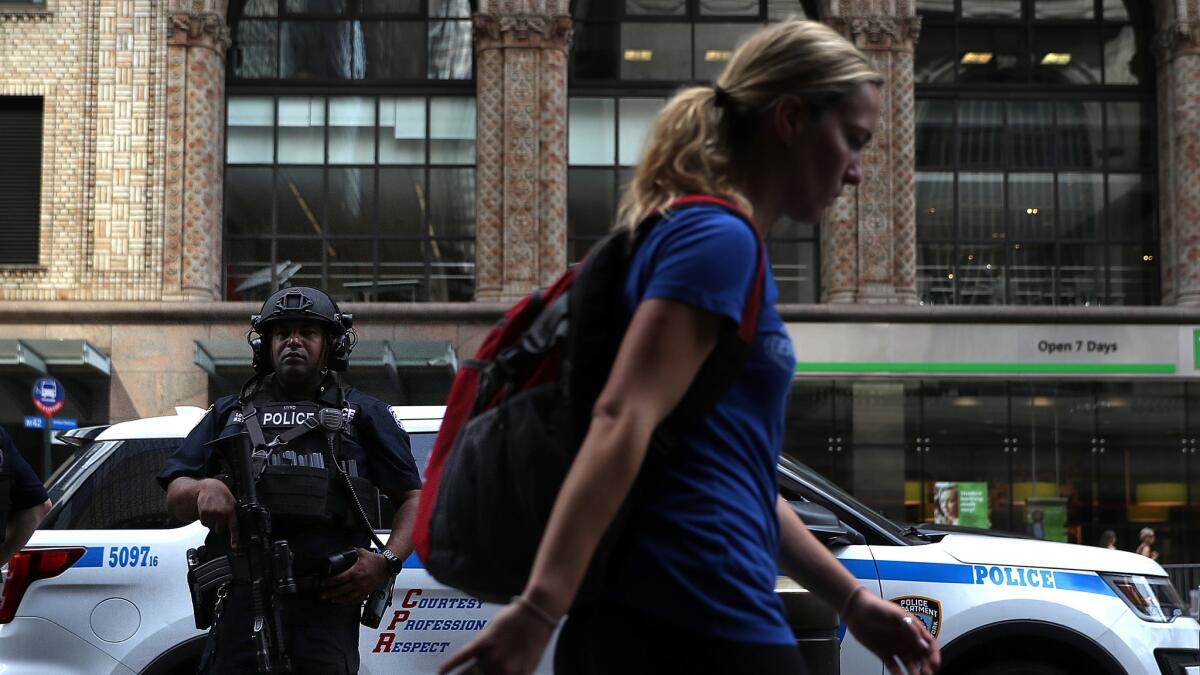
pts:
pixel 394 563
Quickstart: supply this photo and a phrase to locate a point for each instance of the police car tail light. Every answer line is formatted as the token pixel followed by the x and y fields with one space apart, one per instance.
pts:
pixel 1151 598
pixel 26 567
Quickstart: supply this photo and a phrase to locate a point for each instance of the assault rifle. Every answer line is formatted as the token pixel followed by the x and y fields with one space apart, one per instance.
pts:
pixel 268 563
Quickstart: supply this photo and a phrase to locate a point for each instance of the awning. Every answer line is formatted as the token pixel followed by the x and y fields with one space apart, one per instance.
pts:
pixel 53 357
pixel 83 369
pixel 400 372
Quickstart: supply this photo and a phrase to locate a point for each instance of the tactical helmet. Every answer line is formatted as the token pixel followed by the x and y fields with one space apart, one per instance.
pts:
pixel 302 304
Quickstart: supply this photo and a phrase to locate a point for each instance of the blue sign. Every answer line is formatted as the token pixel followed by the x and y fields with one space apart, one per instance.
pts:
pixel 58 424
pixel 48 395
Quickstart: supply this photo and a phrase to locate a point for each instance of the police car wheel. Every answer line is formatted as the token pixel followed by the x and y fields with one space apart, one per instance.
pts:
pixel 1019 667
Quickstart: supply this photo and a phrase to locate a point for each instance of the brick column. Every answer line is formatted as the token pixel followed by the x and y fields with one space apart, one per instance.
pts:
pixel 521 156
pixel 195 143
pixel 1177 47
pixel 868 238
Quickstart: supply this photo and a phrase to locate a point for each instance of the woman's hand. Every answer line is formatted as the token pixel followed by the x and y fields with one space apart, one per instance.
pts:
pixel 892 633
pixel 512 644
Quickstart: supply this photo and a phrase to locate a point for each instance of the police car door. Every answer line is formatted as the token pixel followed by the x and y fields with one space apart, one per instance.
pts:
pixel 835 518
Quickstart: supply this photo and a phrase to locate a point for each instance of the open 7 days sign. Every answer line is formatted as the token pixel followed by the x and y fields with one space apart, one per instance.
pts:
pixel 48 396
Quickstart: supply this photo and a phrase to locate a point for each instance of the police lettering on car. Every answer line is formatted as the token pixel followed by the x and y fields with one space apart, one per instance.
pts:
pixel 287 477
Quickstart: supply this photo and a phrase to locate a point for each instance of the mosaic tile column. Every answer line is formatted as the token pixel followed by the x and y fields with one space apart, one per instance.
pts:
pixel 195 143
pixel 521 156
pixel 868 237
pixel 1177 47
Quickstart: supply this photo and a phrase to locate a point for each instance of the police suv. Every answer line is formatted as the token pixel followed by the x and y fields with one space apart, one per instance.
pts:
pixel 101 587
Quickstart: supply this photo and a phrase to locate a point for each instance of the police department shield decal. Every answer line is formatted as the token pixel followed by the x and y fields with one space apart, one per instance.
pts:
pixel 928 610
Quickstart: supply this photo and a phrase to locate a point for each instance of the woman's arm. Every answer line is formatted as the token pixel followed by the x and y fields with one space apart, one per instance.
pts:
pixel 660 355
pixel 662 352
pixel 881 626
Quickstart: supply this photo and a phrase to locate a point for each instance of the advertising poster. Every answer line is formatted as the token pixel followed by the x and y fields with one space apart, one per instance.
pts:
pixel 973 505
pixel 961 503
pixel 1046 518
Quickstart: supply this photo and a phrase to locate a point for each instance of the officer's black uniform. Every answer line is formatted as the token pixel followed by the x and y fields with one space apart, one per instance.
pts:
pixel 20 488
pixel 320 637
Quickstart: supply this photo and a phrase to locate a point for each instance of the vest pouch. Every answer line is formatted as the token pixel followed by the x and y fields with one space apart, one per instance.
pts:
pixel 342 508
pixel 294 492
pixel 6 489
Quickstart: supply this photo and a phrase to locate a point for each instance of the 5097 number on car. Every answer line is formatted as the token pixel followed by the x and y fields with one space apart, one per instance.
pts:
pixel 131 556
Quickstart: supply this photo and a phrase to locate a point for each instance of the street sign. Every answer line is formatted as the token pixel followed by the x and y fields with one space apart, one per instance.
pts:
pixel 56 423
pixel 48 395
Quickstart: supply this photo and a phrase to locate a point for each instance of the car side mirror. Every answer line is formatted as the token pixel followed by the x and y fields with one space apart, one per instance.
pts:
pixel 825 525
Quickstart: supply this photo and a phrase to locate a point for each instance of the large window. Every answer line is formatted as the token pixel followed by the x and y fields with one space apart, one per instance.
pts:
pixel 350 150
pixel 340 40
pixel 628 58
pixel 20 178
pixel 371 198
pixel 1035 153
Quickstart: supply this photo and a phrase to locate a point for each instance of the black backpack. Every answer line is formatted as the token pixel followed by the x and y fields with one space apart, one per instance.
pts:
pixel 518 412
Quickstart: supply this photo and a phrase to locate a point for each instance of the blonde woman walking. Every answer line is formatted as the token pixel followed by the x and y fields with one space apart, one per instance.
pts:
pixel 692 590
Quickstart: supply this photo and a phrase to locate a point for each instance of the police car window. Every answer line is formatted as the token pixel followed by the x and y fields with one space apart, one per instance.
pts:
pixel 877 528
pixel 73 471
pixel 121 493
pixel 422 447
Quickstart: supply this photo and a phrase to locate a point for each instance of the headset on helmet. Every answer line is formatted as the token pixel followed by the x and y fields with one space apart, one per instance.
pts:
pixel 305 304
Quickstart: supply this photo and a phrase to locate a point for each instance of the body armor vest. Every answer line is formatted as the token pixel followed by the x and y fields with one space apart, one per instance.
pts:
pixel 298 480
pixel 6 489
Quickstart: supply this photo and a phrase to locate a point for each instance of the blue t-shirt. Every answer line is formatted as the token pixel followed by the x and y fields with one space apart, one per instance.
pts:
pixel 705 542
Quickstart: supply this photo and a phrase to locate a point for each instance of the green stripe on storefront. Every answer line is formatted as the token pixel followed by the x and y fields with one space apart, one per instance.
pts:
pixel 964 367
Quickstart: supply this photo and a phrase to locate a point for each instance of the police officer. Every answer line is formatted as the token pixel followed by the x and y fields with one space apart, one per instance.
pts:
pixel 297 339
pixel 23 499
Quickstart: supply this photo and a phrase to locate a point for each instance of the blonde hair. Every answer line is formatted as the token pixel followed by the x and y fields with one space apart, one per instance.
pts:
pixel 691 146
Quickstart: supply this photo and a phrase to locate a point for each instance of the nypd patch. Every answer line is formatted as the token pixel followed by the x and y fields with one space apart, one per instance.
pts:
pixel 928 610
pixel 396 416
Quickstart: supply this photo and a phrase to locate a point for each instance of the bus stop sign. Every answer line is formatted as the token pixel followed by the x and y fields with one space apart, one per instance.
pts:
pixel 48 396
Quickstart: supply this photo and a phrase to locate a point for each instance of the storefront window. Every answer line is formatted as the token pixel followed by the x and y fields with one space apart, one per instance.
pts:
pixel 1056 460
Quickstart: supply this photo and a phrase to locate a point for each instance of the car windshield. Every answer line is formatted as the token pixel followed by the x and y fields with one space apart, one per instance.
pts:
pixel 836 494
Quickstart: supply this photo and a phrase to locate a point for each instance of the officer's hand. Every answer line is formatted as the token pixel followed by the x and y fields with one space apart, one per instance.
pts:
pixel 893 635
pixel 217 508
pixel 355 584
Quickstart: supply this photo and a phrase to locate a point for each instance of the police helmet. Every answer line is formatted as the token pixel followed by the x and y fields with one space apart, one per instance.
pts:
pixel 302 304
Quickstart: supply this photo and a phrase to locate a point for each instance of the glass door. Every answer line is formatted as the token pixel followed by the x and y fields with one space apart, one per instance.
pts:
pixel 1054 485
pixel 1140 429
pixel 818 432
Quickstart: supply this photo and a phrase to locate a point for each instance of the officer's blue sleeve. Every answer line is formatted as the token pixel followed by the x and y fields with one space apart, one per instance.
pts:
pixel 192 458
pixel 390 464
pixel 27 490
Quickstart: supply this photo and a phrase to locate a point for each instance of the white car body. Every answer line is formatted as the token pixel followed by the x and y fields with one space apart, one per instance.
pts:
pixel 123 606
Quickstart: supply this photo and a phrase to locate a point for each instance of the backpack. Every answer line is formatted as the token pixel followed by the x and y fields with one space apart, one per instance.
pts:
pixel 518 412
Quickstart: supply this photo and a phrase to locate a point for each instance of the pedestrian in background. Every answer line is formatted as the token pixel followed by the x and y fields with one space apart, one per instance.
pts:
pixel 1146 545
pixel 1108 540
pixel 692 588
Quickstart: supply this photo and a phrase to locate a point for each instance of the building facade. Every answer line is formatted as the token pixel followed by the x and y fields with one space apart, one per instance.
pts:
pixel 1001 313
